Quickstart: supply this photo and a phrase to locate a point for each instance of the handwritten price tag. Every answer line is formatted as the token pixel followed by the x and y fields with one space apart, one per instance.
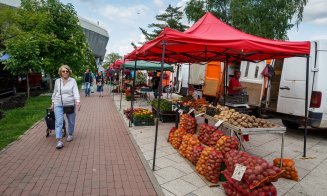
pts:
pixel 239 172
pixel 180 111
pixel 199 115
pixel 219 123
pixel 191 110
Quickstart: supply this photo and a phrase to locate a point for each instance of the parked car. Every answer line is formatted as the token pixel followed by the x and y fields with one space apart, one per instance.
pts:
pixel 35 82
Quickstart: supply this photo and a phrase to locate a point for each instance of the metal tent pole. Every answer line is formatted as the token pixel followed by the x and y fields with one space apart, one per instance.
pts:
pixel 121 90
pixel 225 79
pixel 306 109
pixel 133 91
pixel 158 106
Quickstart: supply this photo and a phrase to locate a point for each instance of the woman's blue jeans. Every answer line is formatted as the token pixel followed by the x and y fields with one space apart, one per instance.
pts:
pixel 59 114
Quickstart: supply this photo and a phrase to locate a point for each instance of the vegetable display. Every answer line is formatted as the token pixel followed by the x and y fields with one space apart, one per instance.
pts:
pixel 289 168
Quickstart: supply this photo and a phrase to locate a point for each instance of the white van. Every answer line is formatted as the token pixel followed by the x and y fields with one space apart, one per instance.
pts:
pixel 284 94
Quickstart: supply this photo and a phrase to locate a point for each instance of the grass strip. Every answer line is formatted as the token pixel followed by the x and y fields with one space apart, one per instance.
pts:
pixel 19 120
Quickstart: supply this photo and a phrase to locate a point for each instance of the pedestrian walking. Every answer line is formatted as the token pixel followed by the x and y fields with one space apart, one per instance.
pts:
pixel 88 79
pixel 100 83
pixel 65 100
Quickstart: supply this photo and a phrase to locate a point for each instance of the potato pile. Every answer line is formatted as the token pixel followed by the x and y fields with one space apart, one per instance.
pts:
pixel 212 166
pixel 243 188
pixel 243 120
pixel 200 165
pixel 258 171
pixel 188 123
pixel 226 144
pixel 189 141
pixel 177 136
pixel 197 150
pixel 288 167
pixel 209 135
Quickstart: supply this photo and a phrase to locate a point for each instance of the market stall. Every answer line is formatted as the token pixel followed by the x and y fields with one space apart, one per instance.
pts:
pixel 210 39
pixel 142 65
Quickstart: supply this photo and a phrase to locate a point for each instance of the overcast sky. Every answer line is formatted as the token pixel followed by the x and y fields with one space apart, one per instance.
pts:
pixel 122 19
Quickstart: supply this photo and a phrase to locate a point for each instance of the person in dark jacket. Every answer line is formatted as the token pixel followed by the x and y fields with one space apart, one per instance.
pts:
pixel 87 82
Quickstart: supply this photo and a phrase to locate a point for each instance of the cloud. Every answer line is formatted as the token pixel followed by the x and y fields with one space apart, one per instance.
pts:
pixel 315 12
pixel 158 3
pixel 319 37
pixel 123 13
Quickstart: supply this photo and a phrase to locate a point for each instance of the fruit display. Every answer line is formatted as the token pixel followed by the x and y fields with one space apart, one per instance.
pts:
pixel 176 139
pixel 189 141
pixel 242 187
pixel 212 166
pixel 226 144
pixel 242 120
pixel 171 133
pixel 197 150
pixel 200 165
pixel 209 135
pixel 188 123
pixel 258 171
pixel 288 167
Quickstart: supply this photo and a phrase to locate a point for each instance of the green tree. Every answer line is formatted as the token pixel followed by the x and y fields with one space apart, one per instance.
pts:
pixel 58 38
pixel 8 27
pixel 264 18
pixel 170 18
pixel 111 58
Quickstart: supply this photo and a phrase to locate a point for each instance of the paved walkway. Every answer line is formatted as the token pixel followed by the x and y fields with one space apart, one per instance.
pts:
pixel 101 160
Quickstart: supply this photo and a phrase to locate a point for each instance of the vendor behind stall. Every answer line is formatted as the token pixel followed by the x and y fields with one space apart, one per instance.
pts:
pixel 155 84
pixel 235 87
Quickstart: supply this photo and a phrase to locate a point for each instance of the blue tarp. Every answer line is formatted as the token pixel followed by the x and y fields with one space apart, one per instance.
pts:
pixel 4 57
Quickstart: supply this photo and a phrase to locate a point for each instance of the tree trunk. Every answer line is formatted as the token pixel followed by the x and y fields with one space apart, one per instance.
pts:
pixel 28 85
pixel 50 84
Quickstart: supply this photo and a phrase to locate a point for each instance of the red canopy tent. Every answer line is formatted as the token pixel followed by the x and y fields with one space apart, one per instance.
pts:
pixel 209 39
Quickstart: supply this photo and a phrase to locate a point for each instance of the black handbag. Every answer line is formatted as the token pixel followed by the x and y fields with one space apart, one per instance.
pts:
pixel 69 109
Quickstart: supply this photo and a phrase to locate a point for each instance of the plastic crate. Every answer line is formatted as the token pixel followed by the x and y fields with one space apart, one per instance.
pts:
pixel 237 99
pixel 167 116
pixel 149 122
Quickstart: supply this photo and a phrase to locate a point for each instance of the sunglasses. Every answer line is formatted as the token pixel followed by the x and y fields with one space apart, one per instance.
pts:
pixel 64 71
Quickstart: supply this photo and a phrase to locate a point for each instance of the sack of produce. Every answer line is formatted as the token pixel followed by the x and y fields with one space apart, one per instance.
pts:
pixel 230 190
pixel 212 166
pixel 200 165
pixel 197 150
pixel 188 123
pixel 171 133
pixel 176 139
pixel 267 189
pixel 226 144
pixel 209 135
pixel 258 171
pixel 289 169
pixel 189 141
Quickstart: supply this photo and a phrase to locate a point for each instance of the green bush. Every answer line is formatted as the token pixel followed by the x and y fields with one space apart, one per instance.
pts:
pixel 165 105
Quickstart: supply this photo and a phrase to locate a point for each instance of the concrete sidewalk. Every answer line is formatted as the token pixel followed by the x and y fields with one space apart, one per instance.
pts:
pixel 101 160
pixel 176 176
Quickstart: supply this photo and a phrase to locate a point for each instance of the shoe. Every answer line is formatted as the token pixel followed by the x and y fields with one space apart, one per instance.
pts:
pixel 60 145
pixel 70 138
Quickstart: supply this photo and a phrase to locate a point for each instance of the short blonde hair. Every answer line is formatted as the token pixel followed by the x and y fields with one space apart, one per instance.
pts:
pixel 64 67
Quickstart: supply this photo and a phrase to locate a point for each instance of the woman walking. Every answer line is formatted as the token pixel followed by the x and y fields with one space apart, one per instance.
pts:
pixel 65 100
pixel 100 83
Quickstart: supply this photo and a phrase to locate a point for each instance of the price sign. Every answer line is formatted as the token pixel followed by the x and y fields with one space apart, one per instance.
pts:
pixel 239 172
pixel 191 110
pixel 180 111
pixel 199 115
pixel 219 123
